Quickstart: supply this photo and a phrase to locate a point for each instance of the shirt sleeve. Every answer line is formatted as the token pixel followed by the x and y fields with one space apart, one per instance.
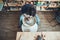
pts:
pixel 37 19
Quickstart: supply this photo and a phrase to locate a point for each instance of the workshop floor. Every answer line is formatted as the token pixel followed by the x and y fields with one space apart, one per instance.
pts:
pixel 9 24
pixel 47 22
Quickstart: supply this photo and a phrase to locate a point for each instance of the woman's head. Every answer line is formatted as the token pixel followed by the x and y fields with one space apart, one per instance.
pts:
pixel 29 10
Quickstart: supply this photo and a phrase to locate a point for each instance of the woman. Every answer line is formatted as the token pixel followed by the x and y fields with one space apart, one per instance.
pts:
pixel 29 9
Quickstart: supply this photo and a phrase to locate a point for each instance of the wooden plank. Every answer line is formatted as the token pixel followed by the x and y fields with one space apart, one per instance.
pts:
pixel 31 35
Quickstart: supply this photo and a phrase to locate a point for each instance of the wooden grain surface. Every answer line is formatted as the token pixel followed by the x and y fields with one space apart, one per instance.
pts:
pixel 9 24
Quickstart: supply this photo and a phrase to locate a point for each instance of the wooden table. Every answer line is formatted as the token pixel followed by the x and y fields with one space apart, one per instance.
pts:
pixel 31 35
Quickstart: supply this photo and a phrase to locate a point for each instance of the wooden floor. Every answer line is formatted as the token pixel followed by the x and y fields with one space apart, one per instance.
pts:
pixel 48 22
pixel 9 24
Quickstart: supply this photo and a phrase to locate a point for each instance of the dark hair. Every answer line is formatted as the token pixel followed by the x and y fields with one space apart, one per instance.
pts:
pixel 29 10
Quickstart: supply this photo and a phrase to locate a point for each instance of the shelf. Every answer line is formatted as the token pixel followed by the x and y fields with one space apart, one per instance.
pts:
pixel 13 4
